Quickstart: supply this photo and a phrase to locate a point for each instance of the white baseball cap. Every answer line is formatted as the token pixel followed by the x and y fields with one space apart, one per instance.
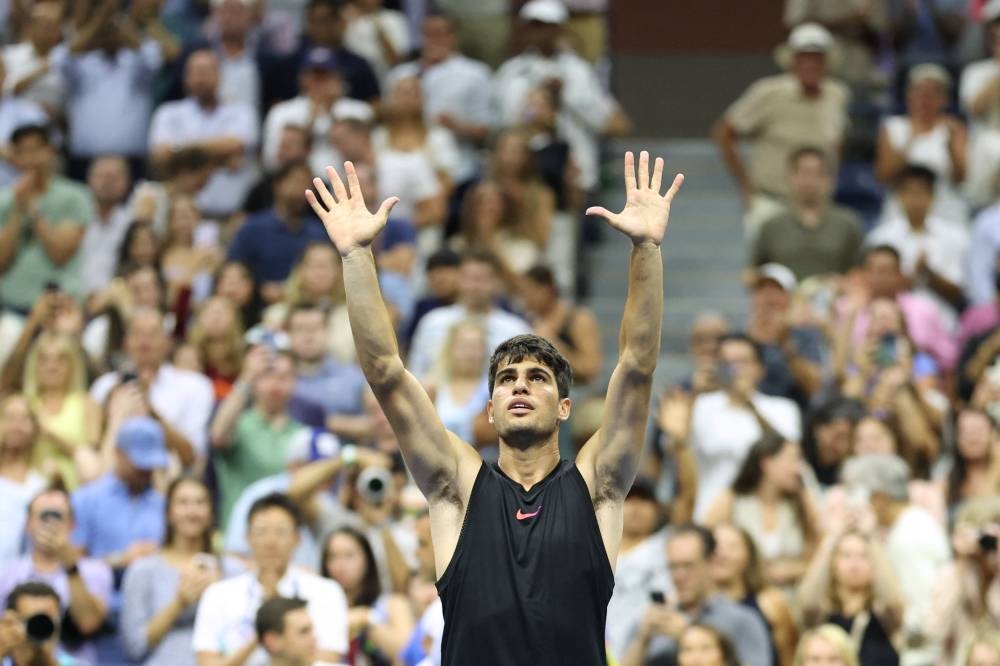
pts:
pixel 929 71
pixel 778 273
pixel 353 109
pixel 545 11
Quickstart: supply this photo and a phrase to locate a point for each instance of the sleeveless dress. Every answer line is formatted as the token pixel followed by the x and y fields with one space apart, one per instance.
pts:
pixel 787 540
pixel 457 417
pixel 530 580
pixel 70 424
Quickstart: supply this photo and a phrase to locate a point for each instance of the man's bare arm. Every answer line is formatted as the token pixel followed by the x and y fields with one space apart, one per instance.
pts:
pixel 432 454
pixel 611 458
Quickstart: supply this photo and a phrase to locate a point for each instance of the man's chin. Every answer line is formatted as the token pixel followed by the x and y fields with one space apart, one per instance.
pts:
pixel 524 435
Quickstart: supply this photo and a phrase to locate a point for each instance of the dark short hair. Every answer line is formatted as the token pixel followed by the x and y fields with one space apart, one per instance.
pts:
pixel 187 159
pixel 443 258
pixel 284 171
pixel 917 173
pixel 482 257
pixel 700 532
pixel 304 131
pixel 270 617
pixel 730 657
pixel 543 275
pixel 758 352
pixel 882 249
pixel 32 588
pixel 52 490
pixel 520 347
pixel 26 131
pixel 333 5
pixel 808 151
pixel 279 501
pixel 304 306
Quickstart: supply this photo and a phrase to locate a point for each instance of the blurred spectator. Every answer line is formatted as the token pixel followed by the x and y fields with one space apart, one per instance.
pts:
pixel 108 181
pixel 967 595
pixel 458 384
pixel 234 42
pixel 828 437
pixel 379 622
pixel 188 256
pixel 739 575
pixel 725 423
pixel 932 249
pixel 979 99
pixel 443 277
pixel 19 480
pixel 235 283
pixel 14 112
pixel 379 35
pixel 478 288
pixel 927 136
pixel 484 28
pixel 814 236
pixel 320 86
pixel 54 312
pixel 336 386
pixel 271 241
pixel 46 217
pixel 701 645
pixel 217 338
pixel 252 427
pixel 707 331
pixel 32 71
pixel 768 500
pixel 690 550
pixel 161 592
pixel 294 145
pixel 26 601
pixel 586 111
pixel 285 631
pixel 975 466
pixel 227 132
pixel 573 330
pixel 110 70
pixel 185 174
pixel 827 644
pixel 851 584
pixel 984 650
pixel 224 625
pixel 453 90
pixel 69 421
pixel 83 584
pixel 780 114
pixel 925 31
pixel 642 569
pixel 856 27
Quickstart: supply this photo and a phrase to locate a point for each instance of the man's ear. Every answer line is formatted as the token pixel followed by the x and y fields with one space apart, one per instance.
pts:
pixel 489 410
pixel 565 405
pixel 272 642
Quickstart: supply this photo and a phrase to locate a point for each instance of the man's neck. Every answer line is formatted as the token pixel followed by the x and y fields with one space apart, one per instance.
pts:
pixel 233 45
pixel 207 103
pixel 473 308
pixel 104 211
pixel 44 562
pixel 309 366
pixel 427 63
pixel 630 541
pixel 918 224
pixel 278 660
pixel 810 214
pixel 530 465
pixel 893 512
pixel 734 590
pixel 811 92
pixel 695 609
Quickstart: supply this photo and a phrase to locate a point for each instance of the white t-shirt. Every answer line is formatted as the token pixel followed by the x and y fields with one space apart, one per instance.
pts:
pixel 361 37
pixel 407 175
pixel 640 571
pixel 918 550
pixel 227 610
pixel 722 434
pixel 975 76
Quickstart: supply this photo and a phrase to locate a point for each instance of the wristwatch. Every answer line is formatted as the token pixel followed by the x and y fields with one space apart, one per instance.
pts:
pixel 72 569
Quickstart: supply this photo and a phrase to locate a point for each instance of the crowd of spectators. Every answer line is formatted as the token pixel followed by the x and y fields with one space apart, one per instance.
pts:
pixel 193 469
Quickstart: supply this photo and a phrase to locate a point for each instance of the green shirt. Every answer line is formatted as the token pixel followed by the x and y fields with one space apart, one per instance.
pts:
pixel 257 449
pixel 64 202
pixel 833 246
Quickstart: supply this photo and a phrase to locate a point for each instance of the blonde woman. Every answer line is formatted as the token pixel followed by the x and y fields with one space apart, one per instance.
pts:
pixel 19 481
pixel 828 645
pixel 69 421
pixel 217 336
pixel 459 386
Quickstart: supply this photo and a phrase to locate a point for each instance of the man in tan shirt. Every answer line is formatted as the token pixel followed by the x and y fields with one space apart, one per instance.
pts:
pixel 779 115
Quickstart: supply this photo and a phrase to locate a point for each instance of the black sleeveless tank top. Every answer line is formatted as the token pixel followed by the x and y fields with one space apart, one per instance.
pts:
pixel 530 581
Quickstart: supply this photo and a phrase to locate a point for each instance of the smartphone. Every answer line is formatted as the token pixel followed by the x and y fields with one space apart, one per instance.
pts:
pixel 52 516
pixel 129 377
pixel 657 597
pixel 886 353
pixel 51 287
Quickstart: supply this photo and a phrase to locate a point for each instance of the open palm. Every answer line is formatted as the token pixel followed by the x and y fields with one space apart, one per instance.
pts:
pixel 646 212
pixel 343 212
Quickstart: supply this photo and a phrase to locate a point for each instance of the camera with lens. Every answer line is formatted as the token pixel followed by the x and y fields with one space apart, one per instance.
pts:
pixel 987 542
pixel 373 484
pixel 39 629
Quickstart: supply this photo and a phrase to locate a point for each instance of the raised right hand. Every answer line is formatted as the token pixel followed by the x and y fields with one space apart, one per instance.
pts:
pixel 343 212
pixel 11 633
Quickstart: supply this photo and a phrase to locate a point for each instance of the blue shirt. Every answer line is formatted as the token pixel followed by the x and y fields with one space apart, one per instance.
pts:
pixel 337 387
pixel 109 519
pixel 270 247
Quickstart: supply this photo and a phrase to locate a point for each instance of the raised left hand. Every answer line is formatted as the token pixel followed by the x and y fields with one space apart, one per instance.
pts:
pixel 646 213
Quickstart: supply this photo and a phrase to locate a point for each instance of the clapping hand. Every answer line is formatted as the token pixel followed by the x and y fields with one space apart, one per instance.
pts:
pixel 646 212
pixel 343 212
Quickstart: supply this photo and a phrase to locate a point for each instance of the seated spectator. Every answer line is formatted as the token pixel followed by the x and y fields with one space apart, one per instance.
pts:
pixel 967 594
pixel 725 423
pixel 108 181
pixel 853 32
pixel 19 481
pixel 975 467
pixel 185 173
pixel 46 217
pixel 739 575
pixel 180 400
pixel 552 156
pixel 379 622
pixel 294 144
pixel 188 256
pixel 285 631
pixel 642 569
pixel 813 236
pixel 707 331
pixel 851 584
pixel 224 626
pixel 234 34
pixel 779 114
pixel 929 137
pixel 160 592
pixel 337 387
pixel 54 312
pixel 703 645
pixel 924 33
pixel 217 338
pixel 442 272
pixel 458 384
pixel 768 499
pixel 829 437
pixel 379 35
pixel 689 552
pixel 226 132
pixel 478 288
pixel 14 112
pixel 270 242
pixel 69 421
pixel 234 282
pixel 932 250
pixel 83 584
pixel 29 63
pixel 827 644
pixel 26 601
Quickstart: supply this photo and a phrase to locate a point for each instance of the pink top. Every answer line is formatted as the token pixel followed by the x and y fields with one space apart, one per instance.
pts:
pixel 977 320
pixel 924 323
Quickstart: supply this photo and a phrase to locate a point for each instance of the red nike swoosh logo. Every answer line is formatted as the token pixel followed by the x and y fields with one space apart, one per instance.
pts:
pixel 521 515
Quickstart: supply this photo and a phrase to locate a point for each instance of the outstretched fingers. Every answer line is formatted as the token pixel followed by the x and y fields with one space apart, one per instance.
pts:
pixel 643 182
pixel 324 193
pixel 657 181
pixel 674 188
pixel 601 211
pixel 315 204
pixel 352 180
pixel 386 207
pixel 629 172
pixel 337 183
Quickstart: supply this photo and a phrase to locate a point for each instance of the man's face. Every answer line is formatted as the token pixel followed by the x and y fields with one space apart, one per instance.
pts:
pixel 324 26
pixel 478 285
pixel 809 68
pixel 322 85
pixel 233 18
pixel 32 154
pixel 739 355
pixel 201 76
pixel 50 513
pixel 689 569
pixel 351 139
pixel 273 389
pixel 639 517
pixel 705 335
pixel 288 191
pixel 297 643
pixel 307 335
pixel 145 341
pixel 916 198
pixel 525 405
pixel 45 26
pixel 135 479
pixel 809 181
pixel 769 298
pixel 272 538
pixel 443 281
pixel 542 36
pixel 108 180
pixel 28 606
pixel 882 274
pixel 293 146
pixel 440 40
